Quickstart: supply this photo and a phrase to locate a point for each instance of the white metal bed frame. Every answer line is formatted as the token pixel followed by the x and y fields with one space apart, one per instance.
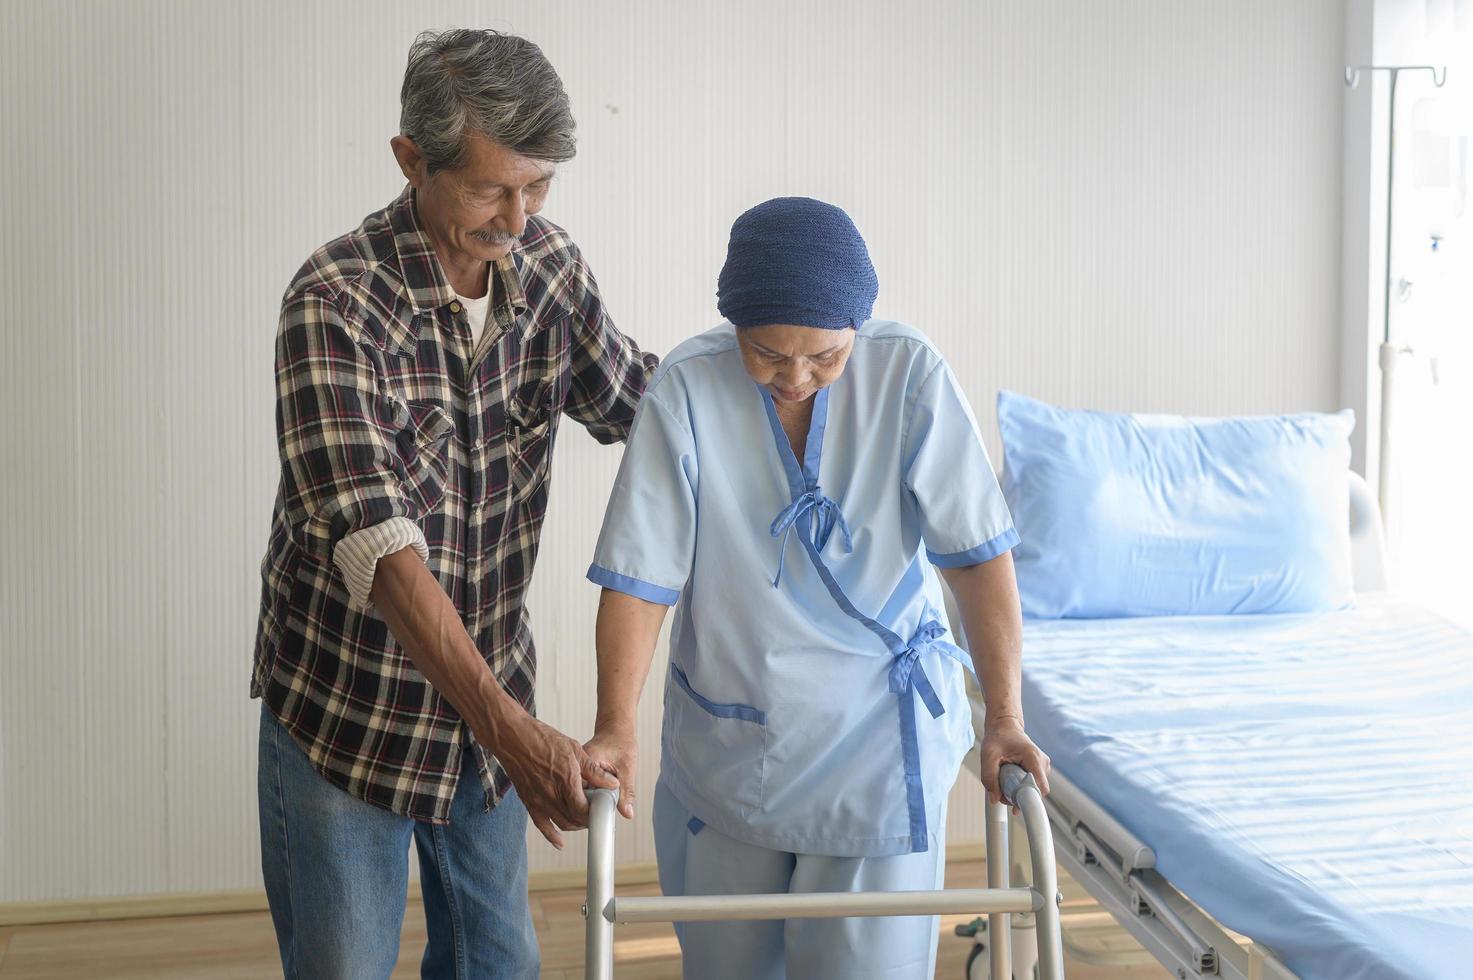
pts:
pixel 1119 870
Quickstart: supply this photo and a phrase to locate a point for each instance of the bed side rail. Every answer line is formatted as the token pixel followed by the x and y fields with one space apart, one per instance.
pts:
pixel 1119 871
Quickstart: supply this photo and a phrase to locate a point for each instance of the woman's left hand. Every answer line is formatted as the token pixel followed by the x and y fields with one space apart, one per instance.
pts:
pixel 1006 742
pixel 615 754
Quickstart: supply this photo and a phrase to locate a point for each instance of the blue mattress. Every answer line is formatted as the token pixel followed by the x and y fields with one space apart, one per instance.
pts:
pixel 1306 779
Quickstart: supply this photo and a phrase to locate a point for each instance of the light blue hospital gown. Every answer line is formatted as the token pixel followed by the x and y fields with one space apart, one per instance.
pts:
pixel 827 714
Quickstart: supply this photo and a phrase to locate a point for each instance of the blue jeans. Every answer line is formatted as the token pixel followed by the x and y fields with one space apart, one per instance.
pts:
pixel 337 874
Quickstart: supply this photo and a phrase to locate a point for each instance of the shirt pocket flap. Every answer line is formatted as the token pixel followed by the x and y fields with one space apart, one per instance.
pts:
pixel 431 424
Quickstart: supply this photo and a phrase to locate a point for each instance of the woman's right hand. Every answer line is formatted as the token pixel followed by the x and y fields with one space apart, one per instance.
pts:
pixel 549 771
pixel 615 752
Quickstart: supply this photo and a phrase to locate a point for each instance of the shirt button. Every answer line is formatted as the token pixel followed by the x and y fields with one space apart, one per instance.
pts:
pixel 454 307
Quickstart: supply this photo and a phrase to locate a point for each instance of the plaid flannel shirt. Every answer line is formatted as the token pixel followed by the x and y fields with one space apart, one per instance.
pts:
pixel 384 411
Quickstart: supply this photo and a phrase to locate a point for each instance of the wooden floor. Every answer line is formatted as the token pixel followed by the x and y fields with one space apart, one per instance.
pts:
pixel 241 945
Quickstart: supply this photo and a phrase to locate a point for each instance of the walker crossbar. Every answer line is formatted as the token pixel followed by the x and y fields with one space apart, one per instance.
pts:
pixel 821 905
pixel 603 909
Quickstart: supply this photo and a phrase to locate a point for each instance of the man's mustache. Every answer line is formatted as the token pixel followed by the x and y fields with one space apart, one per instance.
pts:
pixel 493 238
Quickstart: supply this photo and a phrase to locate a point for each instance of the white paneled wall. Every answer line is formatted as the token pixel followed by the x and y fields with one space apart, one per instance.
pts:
pixel 1119 205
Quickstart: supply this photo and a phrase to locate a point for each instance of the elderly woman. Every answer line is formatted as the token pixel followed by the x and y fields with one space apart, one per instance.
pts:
pixel 791 479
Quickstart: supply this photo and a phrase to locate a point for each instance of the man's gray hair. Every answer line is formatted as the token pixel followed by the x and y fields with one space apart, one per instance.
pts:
pixel 498 85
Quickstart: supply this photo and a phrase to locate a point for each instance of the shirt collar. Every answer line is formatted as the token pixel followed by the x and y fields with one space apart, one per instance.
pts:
pixel 424 280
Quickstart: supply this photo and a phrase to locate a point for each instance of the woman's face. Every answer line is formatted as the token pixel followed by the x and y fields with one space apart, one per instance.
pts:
pixel 793 362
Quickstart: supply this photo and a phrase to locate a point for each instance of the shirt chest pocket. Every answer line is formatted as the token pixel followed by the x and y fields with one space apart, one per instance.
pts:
pixel 424 449
pixel 532 413
pixel 417 397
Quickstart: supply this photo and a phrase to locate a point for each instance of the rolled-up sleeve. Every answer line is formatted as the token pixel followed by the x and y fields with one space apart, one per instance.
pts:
pixel 336 430
pixel 964 518
pixel 357 555
pixel 610 372
pixel 647 546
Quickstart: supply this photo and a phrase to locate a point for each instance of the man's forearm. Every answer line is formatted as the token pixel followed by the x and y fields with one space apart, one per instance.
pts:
pixel 426 624
pixel 988 597
pixel 626 634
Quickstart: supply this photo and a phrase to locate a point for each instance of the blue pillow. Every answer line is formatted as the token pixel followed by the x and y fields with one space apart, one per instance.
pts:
pixel 1159 515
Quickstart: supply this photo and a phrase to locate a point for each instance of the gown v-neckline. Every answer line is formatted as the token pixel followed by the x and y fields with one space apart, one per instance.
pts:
pixel 797 439
pixel 801 476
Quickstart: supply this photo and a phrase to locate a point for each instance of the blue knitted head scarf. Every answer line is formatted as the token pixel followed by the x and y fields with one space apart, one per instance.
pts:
pixel 796 260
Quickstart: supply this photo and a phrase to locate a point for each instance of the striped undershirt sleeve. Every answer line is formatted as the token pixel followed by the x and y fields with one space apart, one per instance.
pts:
pixel 357 554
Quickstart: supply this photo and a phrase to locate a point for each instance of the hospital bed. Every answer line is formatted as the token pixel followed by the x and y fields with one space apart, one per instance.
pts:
pixel 1304 780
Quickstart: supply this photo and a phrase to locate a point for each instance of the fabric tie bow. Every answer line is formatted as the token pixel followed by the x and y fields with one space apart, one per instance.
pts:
pixel 906 670
pixel 826 517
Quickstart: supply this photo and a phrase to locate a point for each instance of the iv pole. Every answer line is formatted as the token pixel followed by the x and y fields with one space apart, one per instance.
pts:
pixel 1388 352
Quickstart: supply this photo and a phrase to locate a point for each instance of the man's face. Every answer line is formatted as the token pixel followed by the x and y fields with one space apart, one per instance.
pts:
pixel 794 362
pixel 476 212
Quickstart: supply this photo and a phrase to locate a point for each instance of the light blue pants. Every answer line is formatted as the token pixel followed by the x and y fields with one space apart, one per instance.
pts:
pixel 337 872
pixel 709 863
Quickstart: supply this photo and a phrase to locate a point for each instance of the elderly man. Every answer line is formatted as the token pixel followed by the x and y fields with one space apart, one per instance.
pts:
pixel 423 362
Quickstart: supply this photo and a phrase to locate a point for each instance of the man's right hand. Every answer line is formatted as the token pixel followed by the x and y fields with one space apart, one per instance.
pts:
pixel 549 770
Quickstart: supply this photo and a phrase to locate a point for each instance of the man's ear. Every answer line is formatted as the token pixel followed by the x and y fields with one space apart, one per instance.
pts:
pixel 411 160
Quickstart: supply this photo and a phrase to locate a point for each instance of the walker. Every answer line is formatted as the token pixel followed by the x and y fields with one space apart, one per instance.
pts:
pixel 602 909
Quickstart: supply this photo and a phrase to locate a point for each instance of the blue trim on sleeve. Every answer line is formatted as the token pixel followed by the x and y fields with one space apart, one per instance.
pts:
pixel 638 588
pixel 986 551
pixel 742 712
pixel 696 825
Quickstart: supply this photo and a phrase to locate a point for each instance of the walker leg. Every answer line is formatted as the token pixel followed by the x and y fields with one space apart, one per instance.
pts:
pixel 998 931
pixel 1024 931
pixel 598 947
pixel 1018 786
pixel 1024 935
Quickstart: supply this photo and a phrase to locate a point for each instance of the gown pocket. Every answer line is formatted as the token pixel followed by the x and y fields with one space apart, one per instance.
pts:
pixel 721 747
